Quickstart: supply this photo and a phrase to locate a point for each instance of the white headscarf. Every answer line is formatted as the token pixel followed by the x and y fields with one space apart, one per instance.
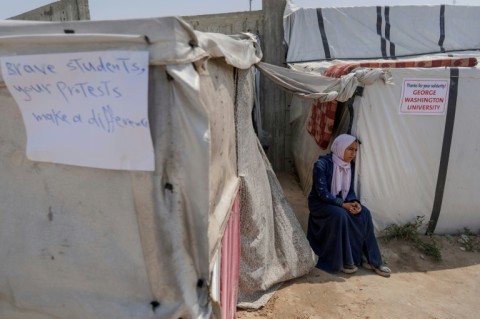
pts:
pixel 342 176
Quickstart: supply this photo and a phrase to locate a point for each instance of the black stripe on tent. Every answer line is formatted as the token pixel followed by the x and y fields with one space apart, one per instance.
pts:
pixel 321 26
pixel 383 42
pixel 444 157
pixel 442 28
pixel 387 32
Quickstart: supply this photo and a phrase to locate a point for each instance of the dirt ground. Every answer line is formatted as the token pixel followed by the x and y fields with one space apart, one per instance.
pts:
pixel 419 287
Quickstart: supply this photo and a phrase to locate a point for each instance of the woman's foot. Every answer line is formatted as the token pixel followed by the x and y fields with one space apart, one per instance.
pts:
pixel 382 270
pixel 349 269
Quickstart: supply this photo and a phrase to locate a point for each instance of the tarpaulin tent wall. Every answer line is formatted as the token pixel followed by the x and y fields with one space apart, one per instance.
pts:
pixel 315 34
pixel 401 154
pixel 83 242
pixel 79 253
pixel 423 164
pixel 274 247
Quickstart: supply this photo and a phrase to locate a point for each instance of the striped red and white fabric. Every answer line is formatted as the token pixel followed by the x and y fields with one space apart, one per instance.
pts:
pixel 230 263
pixel 322 115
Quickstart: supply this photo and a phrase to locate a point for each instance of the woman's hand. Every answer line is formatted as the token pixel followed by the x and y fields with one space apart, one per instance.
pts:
pixel 353 208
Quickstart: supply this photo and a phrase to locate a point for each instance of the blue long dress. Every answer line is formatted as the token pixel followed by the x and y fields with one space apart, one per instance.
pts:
pixel 338 237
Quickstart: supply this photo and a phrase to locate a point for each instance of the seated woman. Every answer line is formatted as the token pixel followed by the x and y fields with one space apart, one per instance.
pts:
pixel 340 229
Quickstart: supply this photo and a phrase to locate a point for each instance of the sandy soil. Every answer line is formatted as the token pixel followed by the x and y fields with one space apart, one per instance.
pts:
pixel 418 287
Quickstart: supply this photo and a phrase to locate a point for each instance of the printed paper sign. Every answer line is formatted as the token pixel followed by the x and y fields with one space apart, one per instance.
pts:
pixel 424 96
pixel 87 108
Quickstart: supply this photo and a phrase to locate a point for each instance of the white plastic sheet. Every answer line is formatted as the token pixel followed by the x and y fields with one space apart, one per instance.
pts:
pixel 314 34
pixel 398 164
pixel 399 157
pixel 460 199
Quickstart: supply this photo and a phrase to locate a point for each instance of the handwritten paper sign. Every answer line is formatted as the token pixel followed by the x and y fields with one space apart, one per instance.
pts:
pixel 87 109
pixel 424 96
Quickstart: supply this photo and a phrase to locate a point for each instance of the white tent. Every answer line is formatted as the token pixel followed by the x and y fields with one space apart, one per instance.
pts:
pixel 413 160
pixel 86 242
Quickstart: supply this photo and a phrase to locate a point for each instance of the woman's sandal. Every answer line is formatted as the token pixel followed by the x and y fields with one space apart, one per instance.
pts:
pixel 349 269
pixel 383 271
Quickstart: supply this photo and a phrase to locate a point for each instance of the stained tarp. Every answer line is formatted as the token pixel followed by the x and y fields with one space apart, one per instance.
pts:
pixel 90 243
pixel 273 244
pixel 313 85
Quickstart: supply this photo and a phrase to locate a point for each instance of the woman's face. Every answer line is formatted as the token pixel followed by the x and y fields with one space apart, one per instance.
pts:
pixel 350 152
